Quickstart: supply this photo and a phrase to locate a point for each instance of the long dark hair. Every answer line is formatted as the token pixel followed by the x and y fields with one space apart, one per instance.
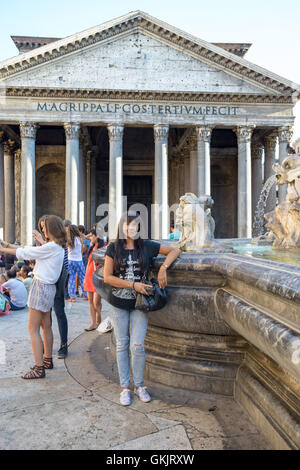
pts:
pixel 120 244
pixel 72 233
pixel 99 243
pixel 55 226
pixel 42 219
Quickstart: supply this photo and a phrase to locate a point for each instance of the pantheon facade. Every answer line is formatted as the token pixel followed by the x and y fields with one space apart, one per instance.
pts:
pixel 136 107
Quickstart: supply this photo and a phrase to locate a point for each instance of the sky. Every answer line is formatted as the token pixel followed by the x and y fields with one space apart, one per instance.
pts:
pixel 272 26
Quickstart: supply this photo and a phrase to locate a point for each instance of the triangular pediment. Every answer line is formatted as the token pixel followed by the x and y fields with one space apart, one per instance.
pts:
pixel 138 52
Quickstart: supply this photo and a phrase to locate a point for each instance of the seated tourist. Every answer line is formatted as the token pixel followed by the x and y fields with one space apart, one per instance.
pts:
pixel 24 276
pixel 174 235
pixel 16 290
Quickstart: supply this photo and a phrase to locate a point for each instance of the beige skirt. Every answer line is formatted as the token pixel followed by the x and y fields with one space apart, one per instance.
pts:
pixel 41 296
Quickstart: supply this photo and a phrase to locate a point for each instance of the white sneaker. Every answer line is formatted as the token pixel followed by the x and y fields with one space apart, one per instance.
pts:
pixel 105 326
pixel 143 395
pixel 125 399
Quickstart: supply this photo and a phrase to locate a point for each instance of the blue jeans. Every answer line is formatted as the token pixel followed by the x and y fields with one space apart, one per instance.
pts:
pixel 76 268
pixel 12 306
pixel 59 307
pixel 130 327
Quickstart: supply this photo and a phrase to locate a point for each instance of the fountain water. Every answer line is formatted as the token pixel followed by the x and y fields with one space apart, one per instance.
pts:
pixel 258 226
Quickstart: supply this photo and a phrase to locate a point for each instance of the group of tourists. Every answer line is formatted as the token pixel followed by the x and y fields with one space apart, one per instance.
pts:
pixel 64 259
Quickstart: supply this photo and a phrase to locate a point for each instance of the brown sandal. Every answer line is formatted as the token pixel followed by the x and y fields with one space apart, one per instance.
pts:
pixel 48 363
pixel 37 372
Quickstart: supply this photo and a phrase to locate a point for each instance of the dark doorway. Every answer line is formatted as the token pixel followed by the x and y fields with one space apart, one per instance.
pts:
pixel 50 191
pixel 138 190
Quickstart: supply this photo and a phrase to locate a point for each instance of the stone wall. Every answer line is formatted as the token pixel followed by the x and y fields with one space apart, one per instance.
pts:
pixel 50 180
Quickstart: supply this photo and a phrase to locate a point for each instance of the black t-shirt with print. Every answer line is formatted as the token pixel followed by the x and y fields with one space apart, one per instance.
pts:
pixel 131 271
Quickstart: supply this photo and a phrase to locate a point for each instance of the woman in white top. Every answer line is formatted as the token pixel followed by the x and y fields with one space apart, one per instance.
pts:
pixel 49 262
pixel 76 266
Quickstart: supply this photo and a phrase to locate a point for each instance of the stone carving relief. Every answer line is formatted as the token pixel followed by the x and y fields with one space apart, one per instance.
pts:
pixel 284 221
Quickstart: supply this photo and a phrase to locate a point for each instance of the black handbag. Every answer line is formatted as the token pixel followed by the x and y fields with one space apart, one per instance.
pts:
pixel 156 300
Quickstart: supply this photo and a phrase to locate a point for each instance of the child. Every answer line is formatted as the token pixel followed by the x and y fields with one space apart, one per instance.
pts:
pixel 76 266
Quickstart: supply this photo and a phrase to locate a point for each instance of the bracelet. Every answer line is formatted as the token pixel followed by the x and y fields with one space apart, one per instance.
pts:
pixel 133 285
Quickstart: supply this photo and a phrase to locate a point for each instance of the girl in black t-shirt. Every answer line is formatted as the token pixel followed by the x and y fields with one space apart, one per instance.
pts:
pixel 126 262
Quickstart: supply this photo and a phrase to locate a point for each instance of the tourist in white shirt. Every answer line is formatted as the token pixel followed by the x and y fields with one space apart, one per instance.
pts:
pixel 76 266
pixel 17 291
pixel 49 261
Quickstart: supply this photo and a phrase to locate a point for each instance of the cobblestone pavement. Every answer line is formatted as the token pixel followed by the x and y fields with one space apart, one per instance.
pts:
pixel 77 405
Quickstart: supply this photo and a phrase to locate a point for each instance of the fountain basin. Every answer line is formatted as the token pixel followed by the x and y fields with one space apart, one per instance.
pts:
pixel 232 324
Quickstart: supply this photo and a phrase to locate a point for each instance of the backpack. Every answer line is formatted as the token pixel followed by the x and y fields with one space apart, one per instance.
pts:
pixel 4 305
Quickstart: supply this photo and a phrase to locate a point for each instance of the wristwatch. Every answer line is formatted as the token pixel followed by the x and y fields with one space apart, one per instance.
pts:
pixel 165 266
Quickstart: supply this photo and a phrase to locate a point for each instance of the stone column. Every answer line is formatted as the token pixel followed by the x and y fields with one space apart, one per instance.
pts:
pixel 285 135
pixel 18 193
pixel 9 191
pixel 193 164
pixel 88 188
pixel 115 132
pixel 257 154
pixel 28 192
pixel 244 182
pixel 2 204
pixel 187 173
pixel 270 144
pixel 82 182
pixel 93 185
pixel 161 217
pixel 176 179
pixel 181 175
pixel 72 171
pixel 203 160
pixel 172 181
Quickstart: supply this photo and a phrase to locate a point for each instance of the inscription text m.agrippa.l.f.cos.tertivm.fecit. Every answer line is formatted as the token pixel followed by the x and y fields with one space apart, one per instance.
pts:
pixel 129 108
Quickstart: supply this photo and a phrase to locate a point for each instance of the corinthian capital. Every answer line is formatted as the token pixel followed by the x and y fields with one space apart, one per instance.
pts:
pixel 270 142
pixel 244 134
pixel 204 133
pixel 72 131
pixel 285 135
pixel 28 130
pixel 161 132
pixel 257 151
pixel 2 138
pixel 115 132
pixel 9 147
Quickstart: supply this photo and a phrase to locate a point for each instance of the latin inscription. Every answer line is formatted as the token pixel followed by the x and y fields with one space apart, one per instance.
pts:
pixel 159 109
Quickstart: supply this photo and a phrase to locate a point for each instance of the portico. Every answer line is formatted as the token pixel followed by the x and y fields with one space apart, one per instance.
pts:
pixel 213 140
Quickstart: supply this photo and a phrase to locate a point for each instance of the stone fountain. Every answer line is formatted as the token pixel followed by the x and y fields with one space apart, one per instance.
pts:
pixel 232 324
pixel 284 221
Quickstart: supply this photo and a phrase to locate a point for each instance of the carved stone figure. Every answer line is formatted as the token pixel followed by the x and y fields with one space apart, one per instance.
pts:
pixel 194 221
pixel 284 221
